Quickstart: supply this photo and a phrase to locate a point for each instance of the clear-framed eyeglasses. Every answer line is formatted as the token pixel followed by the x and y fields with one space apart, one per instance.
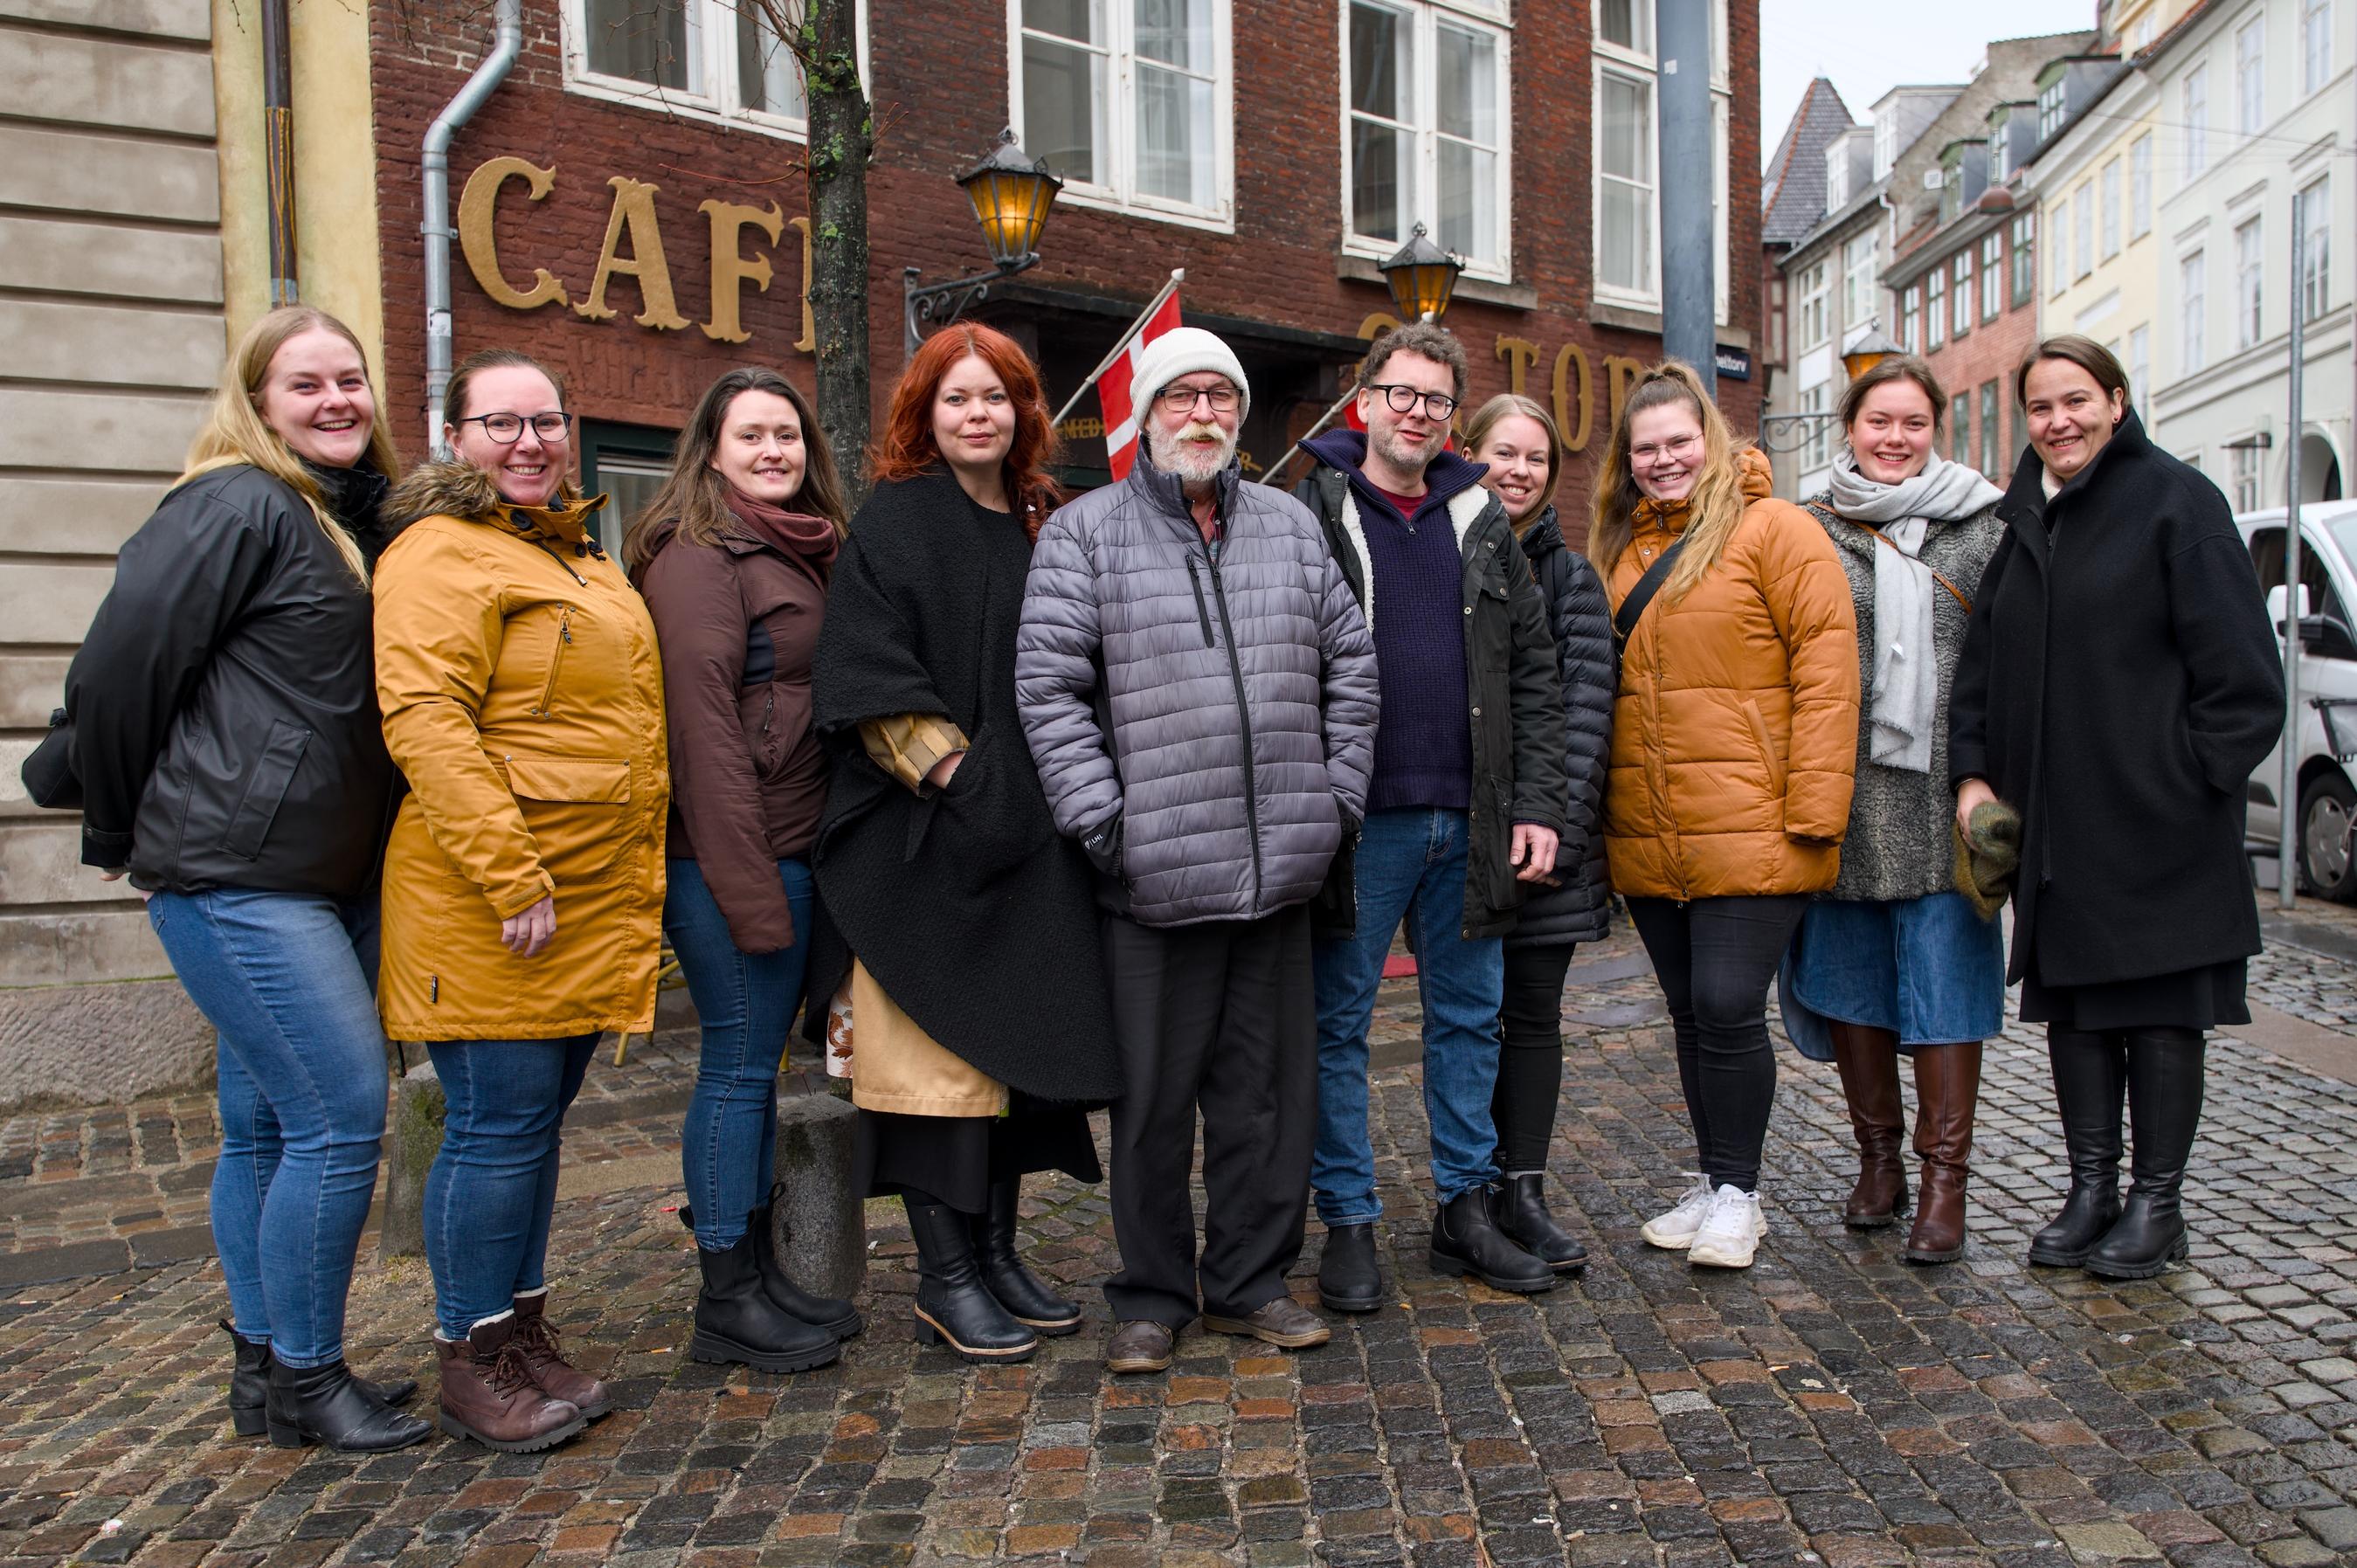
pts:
pixel 1676 451
pixel 1182 400
pixel 1437 406
pixel 507 429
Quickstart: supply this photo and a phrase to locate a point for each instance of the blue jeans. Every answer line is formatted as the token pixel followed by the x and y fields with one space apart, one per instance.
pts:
pixel 1413 857
pixel 746 1002
pixel 287 980
pixel 492 1189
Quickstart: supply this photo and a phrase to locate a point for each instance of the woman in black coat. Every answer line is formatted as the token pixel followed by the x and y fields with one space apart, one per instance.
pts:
pixel 2119 682
pixel 1514 436
pixel 980 1025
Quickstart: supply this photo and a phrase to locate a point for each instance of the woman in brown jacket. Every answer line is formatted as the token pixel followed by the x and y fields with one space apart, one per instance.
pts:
pixel 1733 743
pixel 733 555
pixel 523 884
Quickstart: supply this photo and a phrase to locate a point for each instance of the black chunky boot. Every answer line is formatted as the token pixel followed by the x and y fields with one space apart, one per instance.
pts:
pixel 832 1312
pixel 1518 1207
pixel 2165 1106
pixel 735 1321
pixel 954 1306
pixel 1349 1277
pixel 1464 1241
pixel 1023 1294
pixel 328 1404
pixel 2090 1078
pixel 249 1385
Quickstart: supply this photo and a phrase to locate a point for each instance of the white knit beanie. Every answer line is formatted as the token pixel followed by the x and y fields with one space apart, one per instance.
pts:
pixel 1181 351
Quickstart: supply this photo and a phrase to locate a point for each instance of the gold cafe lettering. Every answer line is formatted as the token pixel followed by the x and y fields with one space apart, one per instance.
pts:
pixel 1572 379
pixel 631 220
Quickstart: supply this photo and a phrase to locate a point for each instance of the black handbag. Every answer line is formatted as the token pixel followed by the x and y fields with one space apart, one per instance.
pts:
pixel 49 772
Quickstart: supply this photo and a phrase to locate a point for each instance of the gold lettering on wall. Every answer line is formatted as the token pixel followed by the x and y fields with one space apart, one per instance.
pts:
pixel 634 209
pixel 1619 374
pixel 1519 354
pixel 808 341
pixel 477 204
pixel 731 268
pixel 1575 436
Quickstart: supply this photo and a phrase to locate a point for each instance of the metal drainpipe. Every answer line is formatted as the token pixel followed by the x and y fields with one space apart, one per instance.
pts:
pixel 507 42
pixel 278 139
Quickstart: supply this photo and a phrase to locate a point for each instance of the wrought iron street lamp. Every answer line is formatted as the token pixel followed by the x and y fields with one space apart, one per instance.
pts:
pixel 1873 346
pixel 1421 276
pixel 1012 195
pixel 1781 433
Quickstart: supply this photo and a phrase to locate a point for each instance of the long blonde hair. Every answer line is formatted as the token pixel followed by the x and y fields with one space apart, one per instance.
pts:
pixel 1505 406
pixel 235 431
pixel 1714 505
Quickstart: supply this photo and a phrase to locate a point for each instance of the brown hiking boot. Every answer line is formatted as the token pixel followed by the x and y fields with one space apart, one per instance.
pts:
pixel 557 1378
pixel 488 1393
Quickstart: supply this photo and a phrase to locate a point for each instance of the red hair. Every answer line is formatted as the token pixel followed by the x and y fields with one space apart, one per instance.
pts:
pixel 907 448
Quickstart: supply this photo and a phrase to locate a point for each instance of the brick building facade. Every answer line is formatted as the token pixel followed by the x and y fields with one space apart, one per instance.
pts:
pixel 1263 233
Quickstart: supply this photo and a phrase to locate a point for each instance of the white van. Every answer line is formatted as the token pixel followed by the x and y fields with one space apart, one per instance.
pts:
pixel 2328 679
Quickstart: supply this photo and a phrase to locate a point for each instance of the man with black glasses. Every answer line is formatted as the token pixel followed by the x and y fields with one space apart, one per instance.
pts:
pixel 1466 802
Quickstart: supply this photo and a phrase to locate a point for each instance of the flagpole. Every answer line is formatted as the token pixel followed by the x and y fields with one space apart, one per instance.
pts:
pixel 1178 276
pixel 1268 474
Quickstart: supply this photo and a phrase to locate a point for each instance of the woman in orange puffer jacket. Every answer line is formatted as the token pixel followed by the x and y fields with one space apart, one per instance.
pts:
pixel 1734 737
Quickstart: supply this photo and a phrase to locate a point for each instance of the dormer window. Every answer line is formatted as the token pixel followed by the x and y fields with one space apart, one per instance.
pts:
pixel 2052 103
pixel 1836 175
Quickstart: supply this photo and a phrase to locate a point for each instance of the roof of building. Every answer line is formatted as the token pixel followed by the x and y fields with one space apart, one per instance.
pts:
pixel 1793 196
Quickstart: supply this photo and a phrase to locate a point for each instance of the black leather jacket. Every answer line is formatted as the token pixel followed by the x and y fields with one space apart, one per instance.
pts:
pixel 224 705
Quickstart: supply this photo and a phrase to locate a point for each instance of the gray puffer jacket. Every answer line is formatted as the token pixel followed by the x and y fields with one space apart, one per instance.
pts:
pixel 1220 702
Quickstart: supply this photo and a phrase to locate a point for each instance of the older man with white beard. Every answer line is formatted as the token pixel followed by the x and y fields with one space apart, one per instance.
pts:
pixel 1198 686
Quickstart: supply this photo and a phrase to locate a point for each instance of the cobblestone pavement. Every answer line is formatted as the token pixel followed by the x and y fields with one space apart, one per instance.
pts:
pixel 1831 1407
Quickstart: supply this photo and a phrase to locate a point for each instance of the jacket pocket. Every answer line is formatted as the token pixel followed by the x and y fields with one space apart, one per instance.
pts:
pixel 555 661
pixel 577 811
pixel 266 779
pixel 1767 744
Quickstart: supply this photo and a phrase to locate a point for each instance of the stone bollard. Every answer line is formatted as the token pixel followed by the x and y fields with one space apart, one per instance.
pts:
pixel 414 1136
pixel 820 1224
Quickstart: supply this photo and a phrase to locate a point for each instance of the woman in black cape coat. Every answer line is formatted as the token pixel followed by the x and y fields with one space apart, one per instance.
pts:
pixel 940 869
pixel 2117 686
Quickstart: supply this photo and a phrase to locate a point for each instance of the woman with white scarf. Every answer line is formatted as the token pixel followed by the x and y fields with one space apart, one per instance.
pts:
pixel 1894 960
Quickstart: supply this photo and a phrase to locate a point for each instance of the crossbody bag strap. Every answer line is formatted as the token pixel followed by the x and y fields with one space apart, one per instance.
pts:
pixel 1937 575
pixel 1632 608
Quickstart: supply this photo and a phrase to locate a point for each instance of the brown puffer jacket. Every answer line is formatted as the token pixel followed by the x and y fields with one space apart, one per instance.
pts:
pixel 1735 732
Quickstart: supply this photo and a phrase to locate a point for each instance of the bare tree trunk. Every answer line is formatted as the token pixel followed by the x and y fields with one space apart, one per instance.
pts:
pixel 842 137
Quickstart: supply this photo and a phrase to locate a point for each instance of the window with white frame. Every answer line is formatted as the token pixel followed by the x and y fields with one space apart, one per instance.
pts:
pixel 2246 476
pixel 2192 304
pixel 1627 184
pixel 2083 233
pixel 1961 320
pixel 2251 75
pixel 1817 450
pixel 1935 307
pixel 2140 365
pixel 1861 254
pixel 2000 145
pixel 1814 323
pixel 1910 335
pixel 2250 264
pixel 2315 43
pixel 2315 249
pixel 2052 98
pixel 2111 189
pixel 1127 100
pixel 2193 117
pixel 1428 117
pixel 2145 26
pixel 1992 275
pixel 2025 262
pixel 2058 249
pixel 1886 144
pixel 703 59
pixel 2140 186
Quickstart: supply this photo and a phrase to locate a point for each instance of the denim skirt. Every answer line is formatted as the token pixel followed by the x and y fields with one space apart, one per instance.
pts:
pixel 1928 970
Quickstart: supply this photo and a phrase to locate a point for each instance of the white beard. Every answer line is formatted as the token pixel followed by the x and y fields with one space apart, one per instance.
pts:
pixel 1174 452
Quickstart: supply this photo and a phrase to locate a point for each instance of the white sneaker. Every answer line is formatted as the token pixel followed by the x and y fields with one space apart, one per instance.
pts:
pixel 1675 1230
pixel 1730 1230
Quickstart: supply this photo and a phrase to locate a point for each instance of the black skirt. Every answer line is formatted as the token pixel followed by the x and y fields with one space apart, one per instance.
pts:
pixel 2187 999
pixel 956 1158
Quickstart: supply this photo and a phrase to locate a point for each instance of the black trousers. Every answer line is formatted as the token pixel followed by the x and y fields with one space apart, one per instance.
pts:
pixel 1221 1016
pixel 1530 1067
pixel 1715 959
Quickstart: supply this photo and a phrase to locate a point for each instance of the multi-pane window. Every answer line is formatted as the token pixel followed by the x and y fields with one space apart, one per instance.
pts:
pixel 1989 429
pixel 1428 130
pixel 1817 450
pixel 2192 305
pixel 2246 476
pixel 1814 319
pixel 1909 334
pixel 2058 249
pixel 2051 100
pixel 2083 231
pixel 2315 249
pixel 2315 43
pixel 1625 189
pixel 2250 264
pixel 1992 275
pixel 703 57
pixel 2140 365
pixel 2140 186
pixel 1935 307
pixel 1860 254
pixel 1963 297
pixel 2111 185
pixel 2024 267
pixel 1960 430
pixel 1125 100
pixel 2251 75
pixel 2193 116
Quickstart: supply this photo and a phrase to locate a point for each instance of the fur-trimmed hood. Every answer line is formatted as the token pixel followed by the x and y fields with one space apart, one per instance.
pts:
pixel 452 488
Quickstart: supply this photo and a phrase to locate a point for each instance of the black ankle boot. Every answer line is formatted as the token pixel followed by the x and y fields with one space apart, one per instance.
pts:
pixel 2164 1071
pixel 832 1312
pixel 2089 1078
pixel 328 1404
pixel 1023 1294
pixel 1348 1278
pixel 249 1385
pixel 735 1321
pixel 954 1306
pixel 1464 1241
pixel 1518 1207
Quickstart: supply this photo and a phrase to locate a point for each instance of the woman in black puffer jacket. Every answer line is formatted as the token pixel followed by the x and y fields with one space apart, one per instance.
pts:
pixel 1514 436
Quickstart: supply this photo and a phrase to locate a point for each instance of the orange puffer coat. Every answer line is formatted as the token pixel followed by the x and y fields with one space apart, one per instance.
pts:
pixel 1735 732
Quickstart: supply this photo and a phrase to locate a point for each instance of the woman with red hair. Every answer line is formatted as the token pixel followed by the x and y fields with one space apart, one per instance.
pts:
pixel 979 1026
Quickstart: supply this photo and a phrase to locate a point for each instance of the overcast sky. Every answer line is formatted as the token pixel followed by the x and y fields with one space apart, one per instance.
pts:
pixel 1869 47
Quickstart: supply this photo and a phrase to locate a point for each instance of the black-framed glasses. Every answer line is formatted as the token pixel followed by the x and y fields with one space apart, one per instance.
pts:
pixel 1181 400
pixel 1437 406
pixel 507 429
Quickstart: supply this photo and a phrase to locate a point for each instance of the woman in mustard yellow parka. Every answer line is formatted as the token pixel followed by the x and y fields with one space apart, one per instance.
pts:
pixel 523 885
pixel 1734 742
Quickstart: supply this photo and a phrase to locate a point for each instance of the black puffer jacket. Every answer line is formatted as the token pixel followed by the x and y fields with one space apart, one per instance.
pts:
pixel 224 703
pixel 1580 910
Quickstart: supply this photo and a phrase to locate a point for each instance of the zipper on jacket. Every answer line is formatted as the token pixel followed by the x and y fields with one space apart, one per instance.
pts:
pixel 557 659
pixel 1243 719
pixel 1195 581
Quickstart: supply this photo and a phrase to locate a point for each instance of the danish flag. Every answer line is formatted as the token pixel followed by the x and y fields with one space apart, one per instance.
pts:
pixel 1116 387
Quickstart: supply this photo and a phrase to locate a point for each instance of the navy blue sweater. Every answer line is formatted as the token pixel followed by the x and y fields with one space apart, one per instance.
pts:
pixel 1424 742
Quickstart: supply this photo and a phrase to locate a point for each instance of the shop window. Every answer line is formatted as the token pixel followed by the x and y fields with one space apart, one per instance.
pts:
pixel 1427 105
pixel 1129 101
pixel 627 464
pixel 709 59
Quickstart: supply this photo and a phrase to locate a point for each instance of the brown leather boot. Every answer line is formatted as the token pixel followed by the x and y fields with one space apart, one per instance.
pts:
pixel 488 1393
pixel 1947 1089
pixel 1869 1060
pixel 557 1378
